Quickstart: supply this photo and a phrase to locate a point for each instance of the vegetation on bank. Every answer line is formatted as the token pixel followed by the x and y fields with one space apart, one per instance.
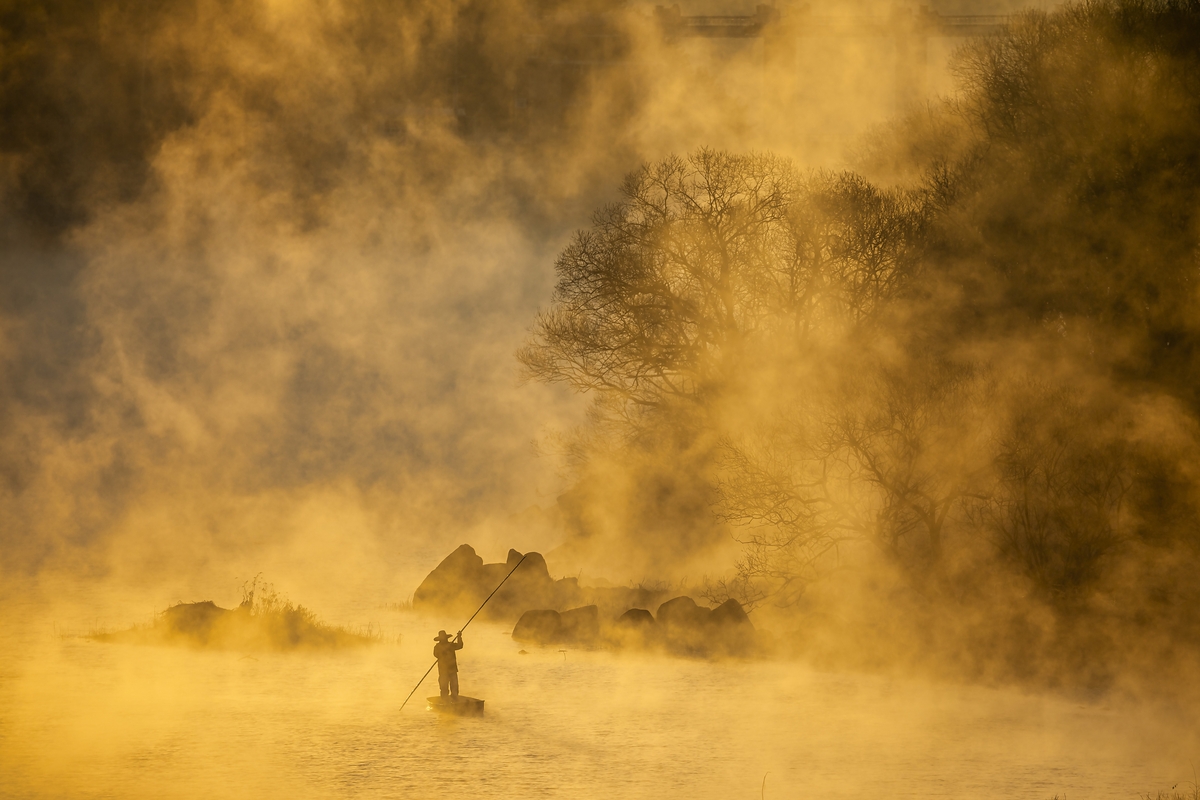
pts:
pixel 1194 794
pixel 947 402
pixel 265 620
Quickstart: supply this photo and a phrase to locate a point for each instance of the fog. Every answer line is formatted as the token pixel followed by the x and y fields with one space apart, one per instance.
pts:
pixel 319 291
pixel 154 722
pixel 276 257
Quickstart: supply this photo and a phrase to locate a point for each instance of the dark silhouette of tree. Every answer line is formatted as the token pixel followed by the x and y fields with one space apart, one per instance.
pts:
pixel 704 259
pixel 913 437
pixel 793 504
pixel 1069 168
pixel 1058 503
pixel 881 461
pixel 707 267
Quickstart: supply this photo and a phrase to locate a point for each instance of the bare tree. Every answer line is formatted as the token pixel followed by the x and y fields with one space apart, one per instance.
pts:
pixel 880 461
pixel 1056 507
pixel 710 266
pixel 917 437
pixel 659 300
pixel 794 505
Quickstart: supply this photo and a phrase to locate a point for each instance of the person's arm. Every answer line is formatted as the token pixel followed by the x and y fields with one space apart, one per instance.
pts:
pixel 458 642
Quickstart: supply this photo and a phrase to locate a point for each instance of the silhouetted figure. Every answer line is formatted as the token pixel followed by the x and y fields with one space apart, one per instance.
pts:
pixel 447 662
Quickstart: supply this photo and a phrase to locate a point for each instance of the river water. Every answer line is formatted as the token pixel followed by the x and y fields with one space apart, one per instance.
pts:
pixel 81 719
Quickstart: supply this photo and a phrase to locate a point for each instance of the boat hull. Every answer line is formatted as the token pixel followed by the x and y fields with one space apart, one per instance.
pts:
pixel 462 707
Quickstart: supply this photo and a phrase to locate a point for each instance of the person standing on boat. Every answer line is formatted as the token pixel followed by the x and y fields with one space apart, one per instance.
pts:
pixel 447 662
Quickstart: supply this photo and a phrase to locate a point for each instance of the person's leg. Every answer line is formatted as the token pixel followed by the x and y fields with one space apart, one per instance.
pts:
pixel 454 685
pixel 444 683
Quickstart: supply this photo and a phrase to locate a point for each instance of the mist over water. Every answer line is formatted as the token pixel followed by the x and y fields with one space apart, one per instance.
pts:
pixel 83 719
pixel 901 360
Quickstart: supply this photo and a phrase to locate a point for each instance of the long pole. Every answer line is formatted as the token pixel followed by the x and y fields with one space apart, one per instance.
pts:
pixel 463 628
pixel 418 686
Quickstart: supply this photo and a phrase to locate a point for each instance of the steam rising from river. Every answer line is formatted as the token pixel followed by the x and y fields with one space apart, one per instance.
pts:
pixel 153 722
pixel 265 269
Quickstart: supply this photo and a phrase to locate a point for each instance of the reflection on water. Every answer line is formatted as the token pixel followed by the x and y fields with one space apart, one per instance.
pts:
pixel 82 719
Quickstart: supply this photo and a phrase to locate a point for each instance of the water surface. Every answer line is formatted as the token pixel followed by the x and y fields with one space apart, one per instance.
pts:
pixel 81 719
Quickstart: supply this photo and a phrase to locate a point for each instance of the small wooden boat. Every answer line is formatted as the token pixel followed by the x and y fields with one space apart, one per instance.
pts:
pixel 463 706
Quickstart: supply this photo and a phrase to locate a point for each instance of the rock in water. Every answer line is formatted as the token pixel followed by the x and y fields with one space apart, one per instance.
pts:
pixel 637 618
pixel 459 584
pixel 730 613
pixel 683 625
pixel 732 630
pixel 581 625
pixel 456 586
pixel 635 628
pixel 529 587
pixel 692 629
pixel 681 613
pixel 542 626
pixel 546 626
pixel 194 621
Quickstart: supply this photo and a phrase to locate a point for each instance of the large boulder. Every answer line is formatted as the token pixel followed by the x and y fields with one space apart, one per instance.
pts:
pixel 731 631
pixel 581 625
pixel 534 563
pixel 636 618
pixel 546 626
pixel 681 614
pixel 539 626
pixel 529 587
pixel 194 621
pixel 460 584
pixel 635 628
pixel 730 614
pixel 456 586
pixel 690 628
pixel 683 624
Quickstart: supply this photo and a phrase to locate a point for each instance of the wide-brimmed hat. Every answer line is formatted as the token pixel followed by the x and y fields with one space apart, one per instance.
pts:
pixel 441 637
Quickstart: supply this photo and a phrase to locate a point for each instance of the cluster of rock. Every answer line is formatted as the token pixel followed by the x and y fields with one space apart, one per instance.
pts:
pixel 553 612
pixel 547 626
pixel 680 625
pixel 459 584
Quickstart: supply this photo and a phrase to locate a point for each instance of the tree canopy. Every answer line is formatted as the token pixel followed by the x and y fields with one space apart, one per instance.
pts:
pixel 708 256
